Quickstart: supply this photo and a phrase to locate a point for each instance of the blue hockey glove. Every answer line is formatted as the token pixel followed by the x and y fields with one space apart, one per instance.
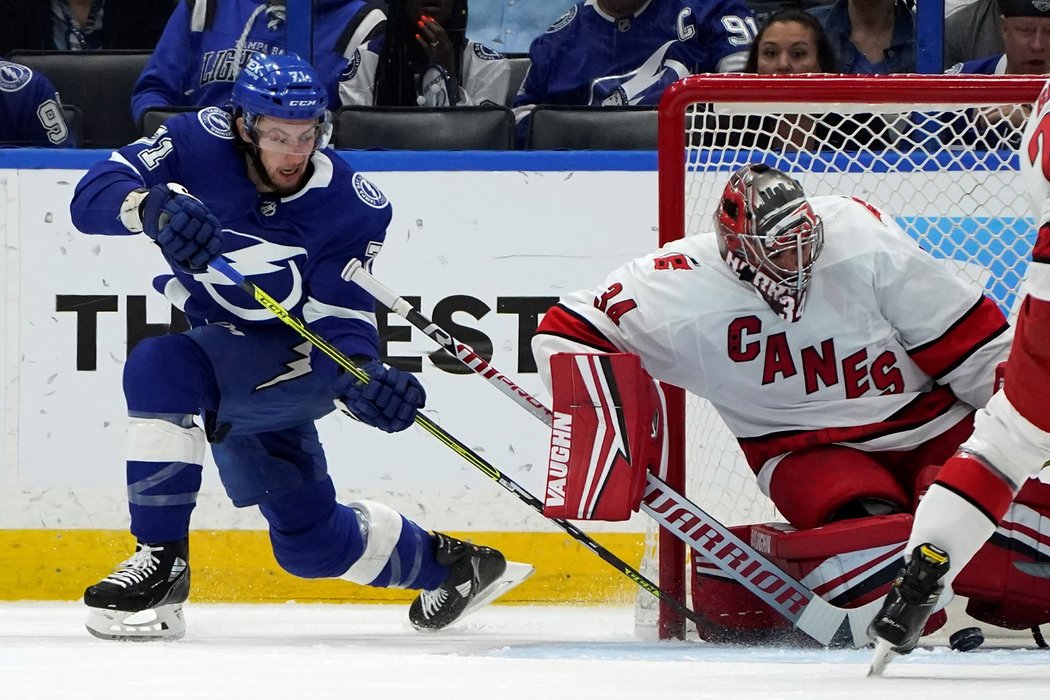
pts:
pixel 188 234
pixel 389 401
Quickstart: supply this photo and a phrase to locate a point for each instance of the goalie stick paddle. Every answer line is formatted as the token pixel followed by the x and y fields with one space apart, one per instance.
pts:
pixel 221 265
pixel 824 622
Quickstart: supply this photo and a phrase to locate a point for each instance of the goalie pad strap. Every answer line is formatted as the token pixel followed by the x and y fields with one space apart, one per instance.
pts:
pixel 607 434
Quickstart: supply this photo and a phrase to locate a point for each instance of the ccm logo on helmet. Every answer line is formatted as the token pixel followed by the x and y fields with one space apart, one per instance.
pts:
pixel 302 103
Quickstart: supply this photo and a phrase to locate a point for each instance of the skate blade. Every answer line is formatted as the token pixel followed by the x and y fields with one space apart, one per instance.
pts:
pixel 516 573
pixel 884 654
pixel 163 623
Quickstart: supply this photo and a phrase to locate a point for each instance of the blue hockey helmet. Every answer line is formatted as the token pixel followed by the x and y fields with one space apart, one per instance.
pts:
pixel 281 87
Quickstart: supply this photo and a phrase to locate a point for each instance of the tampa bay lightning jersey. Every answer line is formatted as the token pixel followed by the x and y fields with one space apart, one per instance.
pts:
pixel 989 65
pixel 591 58
pixel 294 247
pixel 205 43
pixel 30 112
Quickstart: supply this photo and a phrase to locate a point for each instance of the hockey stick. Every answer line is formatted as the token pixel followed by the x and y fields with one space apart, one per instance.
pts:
pixel 826 623
pixel 221 265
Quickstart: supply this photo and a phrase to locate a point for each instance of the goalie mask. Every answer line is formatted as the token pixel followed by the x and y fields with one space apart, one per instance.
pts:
pixel 769 236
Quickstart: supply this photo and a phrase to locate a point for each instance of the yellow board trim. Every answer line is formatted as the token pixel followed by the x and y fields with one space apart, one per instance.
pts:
pixel 237 566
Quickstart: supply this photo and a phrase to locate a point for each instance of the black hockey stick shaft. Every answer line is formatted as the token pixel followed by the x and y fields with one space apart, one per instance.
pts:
pixel 698 529
pixel 450 441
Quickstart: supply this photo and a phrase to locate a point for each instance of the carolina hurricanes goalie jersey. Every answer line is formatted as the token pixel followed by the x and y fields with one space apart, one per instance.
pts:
pixel 892 348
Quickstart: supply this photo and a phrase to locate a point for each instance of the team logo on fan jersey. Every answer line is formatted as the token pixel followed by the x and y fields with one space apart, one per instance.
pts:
pixel 369 193
pixel 563 21
pixel 617 98
pixel 216 122
pixel 13 76
pixel 485 53
pixel 351 66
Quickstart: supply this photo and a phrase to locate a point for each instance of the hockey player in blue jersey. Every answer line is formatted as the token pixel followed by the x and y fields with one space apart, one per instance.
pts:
pixel 30 111
pixel 259 186
pixel 626 52
pixel 205 43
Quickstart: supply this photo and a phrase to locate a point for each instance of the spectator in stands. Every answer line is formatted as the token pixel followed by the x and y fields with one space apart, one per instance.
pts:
pixel 973 32
pixel 871 36
pixel 425 59
pixel 206 43
pixel 1024 29
pixel 30 111
pixel 791 41
pixel 77 25
pixel 625 52
pixel 510 26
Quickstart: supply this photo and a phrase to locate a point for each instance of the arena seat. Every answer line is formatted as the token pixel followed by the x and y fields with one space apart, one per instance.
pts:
pixel 519 66
pixel 554 127
pixel 153 118
pixel 478 128
pixel 99 84
pixel 73 122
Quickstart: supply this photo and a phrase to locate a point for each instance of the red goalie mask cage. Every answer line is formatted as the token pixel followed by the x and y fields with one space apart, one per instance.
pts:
pixel 936 152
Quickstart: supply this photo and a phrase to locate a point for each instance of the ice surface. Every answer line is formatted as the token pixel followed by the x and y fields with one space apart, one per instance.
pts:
pixel 369 652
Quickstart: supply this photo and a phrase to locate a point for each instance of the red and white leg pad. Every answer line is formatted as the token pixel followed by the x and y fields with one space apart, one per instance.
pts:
pixel 848 563
pixel 608 433
pixel 1008 580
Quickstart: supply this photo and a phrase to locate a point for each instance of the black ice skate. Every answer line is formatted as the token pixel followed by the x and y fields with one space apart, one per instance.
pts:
pixel 142 599
pixel 477 575
pixel 909 604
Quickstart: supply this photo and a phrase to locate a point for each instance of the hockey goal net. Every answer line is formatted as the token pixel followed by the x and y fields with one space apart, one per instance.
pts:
pixel 937 152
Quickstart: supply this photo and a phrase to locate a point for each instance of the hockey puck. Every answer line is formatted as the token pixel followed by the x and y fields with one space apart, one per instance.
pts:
pixel 966 639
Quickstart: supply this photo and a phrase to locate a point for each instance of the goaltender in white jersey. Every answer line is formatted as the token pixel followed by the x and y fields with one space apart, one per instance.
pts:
pixel 849 364
pixel 877 346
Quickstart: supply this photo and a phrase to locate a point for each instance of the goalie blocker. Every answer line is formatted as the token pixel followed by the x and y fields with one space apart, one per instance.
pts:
pixel 607 433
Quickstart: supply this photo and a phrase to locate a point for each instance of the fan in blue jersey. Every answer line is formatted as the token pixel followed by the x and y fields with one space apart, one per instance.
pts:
pixel 625 52
pixel 30 111
pixel 1025 29
pixel 206 42
pixel 259 186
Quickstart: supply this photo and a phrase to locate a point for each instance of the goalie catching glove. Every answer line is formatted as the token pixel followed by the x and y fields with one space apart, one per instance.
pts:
pixel 389 401
pixel 607 434
pixel 188 234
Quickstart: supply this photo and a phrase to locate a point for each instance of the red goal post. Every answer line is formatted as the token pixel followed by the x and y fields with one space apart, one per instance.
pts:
pixel 935 151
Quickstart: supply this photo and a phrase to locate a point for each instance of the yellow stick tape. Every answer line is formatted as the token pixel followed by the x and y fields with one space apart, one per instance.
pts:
pixel 237 566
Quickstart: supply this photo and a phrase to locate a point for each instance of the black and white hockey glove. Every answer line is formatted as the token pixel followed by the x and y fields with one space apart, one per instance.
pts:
pixel 188 234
